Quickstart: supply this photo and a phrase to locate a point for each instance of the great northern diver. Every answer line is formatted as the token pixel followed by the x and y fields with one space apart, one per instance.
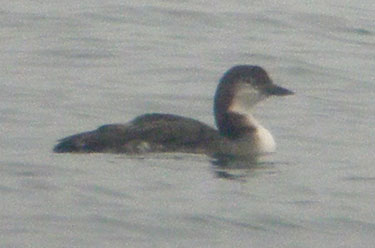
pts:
pixel 238 134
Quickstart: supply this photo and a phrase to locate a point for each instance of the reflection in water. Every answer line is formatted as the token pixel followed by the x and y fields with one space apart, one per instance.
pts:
pixel 237 168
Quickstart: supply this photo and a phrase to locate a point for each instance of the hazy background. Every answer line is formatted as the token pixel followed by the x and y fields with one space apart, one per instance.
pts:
pixel 71 66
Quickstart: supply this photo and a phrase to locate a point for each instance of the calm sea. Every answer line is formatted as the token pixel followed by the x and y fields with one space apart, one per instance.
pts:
pixel 71 66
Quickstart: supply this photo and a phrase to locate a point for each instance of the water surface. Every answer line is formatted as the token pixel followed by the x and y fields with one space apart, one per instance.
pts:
pixel 69 67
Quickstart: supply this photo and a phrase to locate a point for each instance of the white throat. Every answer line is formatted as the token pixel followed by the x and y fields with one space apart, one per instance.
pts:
pixel 262 142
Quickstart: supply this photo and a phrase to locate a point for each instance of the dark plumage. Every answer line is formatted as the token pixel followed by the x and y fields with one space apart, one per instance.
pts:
pixel 172 133
pixel 146 133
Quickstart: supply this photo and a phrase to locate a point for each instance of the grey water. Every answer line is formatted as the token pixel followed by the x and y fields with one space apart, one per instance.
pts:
pixel 71 66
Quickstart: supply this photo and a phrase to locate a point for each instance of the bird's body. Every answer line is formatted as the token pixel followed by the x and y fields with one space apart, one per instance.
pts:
pixel 238 133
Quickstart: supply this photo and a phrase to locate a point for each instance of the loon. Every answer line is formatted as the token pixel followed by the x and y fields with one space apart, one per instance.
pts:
pixel 238 134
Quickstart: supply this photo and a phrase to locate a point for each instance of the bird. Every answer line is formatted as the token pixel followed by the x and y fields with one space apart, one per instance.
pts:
pixel 238 133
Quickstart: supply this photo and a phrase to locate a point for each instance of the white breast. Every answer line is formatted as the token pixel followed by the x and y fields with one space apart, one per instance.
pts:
pixel 264 141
